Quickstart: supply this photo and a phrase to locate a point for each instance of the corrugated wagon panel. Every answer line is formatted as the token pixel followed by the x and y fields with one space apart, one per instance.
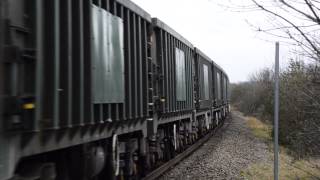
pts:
pixel 218 75
pixel 70 90
pixel 4 173
pixel 174 57
pixel 205 95
pixel 65 102
pixel 69 81
pixel 225 89
pixel 136 24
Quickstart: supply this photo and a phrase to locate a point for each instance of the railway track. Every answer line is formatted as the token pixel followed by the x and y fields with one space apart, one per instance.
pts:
pixel 166 166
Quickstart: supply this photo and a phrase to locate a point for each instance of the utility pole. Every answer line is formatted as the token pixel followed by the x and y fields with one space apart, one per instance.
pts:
pixel 276 114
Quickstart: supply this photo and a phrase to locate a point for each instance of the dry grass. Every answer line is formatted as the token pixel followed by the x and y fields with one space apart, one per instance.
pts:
pixel 289 168
pixel 259 129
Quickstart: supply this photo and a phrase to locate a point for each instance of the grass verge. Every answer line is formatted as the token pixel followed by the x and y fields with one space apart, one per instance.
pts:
pixel 259 129
pixel 289 167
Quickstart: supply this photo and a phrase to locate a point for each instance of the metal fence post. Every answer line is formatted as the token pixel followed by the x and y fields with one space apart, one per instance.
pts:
pixel 276 114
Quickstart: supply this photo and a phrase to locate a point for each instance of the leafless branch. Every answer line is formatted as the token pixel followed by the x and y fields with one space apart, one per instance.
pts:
pixel 313 46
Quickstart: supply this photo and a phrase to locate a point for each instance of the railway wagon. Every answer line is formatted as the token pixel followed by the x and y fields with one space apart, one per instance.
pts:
pixel 76 72
pixel 175 92
pixel 221 87
pixel 209 88
pixel 174 56
pixel 96 89
pixel 225 90
pixel 204 81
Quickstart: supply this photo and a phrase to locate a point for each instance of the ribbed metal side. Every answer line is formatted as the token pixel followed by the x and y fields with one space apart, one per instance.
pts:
pixel 136 41
pixel 218 100
pixel 202 101
pixel 63 63
pixel 224 88
pixel 165 52
pixel 55 73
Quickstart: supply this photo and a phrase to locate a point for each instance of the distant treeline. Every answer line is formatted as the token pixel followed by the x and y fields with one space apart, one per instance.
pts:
pixel 299 121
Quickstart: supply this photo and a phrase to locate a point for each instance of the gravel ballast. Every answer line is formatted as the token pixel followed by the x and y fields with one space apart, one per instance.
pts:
pixel 232 149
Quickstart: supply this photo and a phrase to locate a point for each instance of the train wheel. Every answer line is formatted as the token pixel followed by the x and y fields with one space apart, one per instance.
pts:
pixel 115 156
pixel 111 170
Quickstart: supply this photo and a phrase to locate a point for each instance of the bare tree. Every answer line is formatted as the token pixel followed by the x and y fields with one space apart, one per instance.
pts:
pixel 292 21
pixel 296 22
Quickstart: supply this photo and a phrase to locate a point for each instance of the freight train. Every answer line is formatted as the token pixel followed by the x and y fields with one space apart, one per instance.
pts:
pixel 98 89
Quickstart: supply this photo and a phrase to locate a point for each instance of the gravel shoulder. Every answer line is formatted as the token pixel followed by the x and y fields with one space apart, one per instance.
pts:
pixel 231 150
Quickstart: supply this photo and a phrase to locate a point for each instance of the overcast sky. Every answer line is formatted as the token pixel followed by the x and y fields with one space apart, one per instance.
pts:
pixel 223 35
